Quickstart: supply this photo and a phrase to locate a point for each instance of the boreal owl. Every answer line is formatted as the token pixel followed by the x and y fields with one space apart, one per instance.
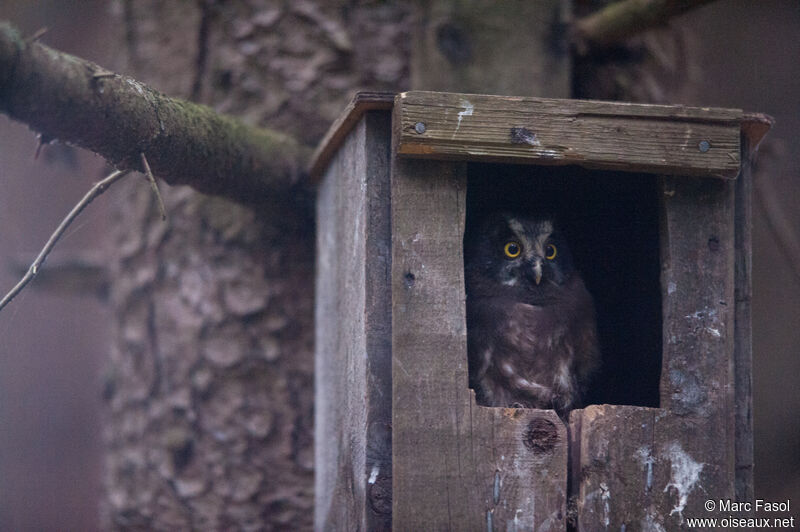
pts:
pixel 532 338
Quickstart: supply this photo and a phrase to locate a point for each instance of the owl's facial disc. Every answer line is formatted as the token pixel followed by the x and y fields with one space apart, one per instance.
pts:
pixel 532 247
pixel 517 253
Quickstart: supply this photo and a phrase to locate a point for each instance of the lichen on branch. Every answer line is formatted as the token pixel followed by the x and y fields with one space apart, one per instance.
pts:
pixel 76 101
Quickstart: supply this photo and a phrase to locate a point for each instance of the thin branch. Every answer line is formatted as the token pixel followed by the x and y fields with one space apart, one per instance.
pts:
pixel 76 101
pixel 620 20
pixel 154 186
pixel 38 34
pixel 95 191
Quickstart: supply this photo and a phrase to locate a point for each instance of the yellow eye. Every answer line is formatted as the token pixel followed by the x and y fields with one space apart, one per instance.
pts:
pixel 512 250
pixel 551 252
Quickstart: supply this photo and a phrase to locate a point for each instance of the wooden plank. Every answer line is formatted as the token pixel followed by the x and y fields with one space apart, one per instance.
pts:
pixel 697 377
pixel 333 139
pixel 697 256
pixel 653 478
pixel 754 127
pixel 618 481
pixel 743 348
pixel 663 139
pixel 456 466
pixel 378 322
pixel 353 341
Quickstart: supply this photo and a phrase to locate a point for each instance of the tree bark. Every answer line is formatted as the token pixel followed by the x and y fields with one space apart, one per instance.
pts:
pixel 514 48
pixel 210 389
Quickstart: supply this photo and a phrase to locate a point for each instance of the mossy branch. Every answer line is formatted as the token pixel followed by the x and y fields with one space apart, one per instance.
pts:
pixel 73 100
pixel 626 18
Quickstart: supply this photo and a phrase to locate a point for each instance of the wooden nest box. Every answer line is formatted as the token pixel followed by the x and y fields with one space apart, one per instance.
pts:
pixel 657 200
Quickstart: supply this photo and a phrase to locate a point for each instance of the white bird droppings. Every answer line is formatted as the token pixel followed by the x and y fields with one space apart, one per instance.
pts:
pixel 685 472
pixel 606 497
pixel 645 457
pixel 671 287
pixel 468 109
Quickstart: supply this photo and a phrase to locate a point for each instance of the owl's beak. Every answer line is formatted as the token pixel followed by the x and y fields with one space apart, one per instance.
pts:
pixel 537 270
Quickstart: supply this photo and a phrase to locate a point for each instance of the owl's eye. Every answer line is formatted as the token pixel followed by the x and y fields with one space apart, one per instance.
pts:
pixel 551 252
pixel 512 250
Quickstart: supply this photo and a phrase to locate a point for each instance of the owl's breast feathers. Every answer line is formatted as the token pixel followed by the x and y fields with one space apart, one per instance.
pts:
pixel 534 356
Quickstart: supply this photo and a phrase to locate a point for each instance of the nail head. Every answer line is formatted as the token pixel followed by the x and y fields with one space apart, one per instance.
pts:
pixel 419 127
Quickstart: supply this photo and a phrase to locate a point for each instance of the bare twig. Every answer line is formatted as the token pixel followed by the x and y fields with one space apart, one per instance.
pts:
pixel 625 18
pixel 36 35
pixel 103 74
pixel 93 192
pixel 154 186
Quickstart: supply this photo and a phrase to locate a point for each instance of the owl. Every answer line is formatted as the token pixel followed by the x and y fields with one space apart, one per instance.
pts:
pixel 532 336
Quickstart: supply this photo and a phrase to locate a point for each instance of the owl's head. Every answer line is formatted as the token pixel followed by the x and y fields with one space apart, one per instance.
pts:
pixel 518 254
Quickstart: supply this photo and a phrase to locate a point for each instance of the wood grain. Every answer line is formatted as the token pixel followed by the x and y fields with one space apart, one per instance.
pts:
pixel 457 466
pixel 615 136
pixel 638 468
pixel 333 139
pixel 619 481
pixel 353 339
pixel 697 376
pixel 743 342
pixel 754 127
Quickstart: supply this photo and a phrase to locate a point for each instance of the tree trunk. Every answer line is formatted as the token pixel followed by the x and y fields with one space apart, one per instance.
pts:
pixel 210 389
pixel 514 48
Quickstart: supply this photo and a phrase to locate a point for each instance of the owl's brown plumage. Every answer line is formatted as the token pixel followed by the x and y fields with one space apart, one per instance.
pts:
pixel 532 338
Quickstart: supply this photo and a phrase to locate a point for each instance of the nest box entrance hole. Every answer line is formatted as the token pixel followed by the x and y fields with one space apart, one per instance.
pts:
pixel 611 221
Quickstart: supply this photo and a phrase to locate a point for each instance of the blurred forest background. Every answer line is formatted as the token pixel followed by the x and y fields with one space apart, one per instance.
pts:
pixel 55 338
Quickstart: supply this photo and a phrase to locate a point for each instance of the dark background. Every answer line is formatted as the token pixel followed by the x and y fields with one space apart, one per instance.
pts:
pixel 53 343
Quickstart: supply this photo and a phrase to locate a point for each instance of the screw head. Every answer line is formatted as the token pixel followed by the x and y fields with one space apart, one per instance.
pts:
pixel 704 146
pixel 419 127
